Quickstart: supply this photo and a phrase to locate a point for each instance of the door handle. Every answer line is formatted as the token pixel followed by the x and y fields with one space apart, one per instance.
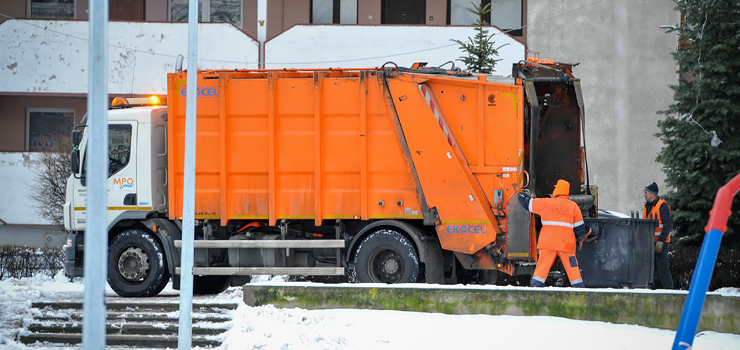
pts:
pixel 130 199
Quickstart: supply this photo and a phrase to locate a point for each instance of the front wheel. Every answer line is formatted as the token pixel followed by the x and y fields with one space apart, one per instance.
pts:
pixel 386 256
pixel 136 265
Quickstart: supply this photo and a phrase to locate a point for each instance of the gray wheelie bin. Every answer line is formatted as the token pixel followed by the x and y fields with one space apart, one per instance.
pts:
pixel 622 256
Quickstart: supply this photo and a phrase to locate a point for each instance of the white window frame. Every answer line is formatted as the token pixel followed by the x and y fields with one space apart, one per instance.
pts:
pixel 74 9
pixel 205 12
pixel 43 110
pixel 348 11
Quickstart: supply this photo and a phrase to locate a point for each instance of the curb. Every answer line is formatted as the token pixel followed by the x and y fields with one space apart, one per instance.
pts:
pixel 649 309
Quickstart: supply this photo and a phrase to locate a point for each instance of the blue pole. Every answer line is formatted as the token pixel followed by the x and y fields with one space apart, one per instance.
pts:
pixel 697 291
pixel 716 227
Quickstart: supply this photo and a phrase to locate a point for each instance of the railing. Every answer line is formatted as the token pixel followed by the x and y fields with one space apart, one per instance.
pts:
pixel 705 265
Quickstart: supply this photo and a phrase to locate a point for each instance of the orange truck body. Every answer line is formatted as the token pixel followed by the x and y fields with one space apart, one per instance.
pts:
pixel 327 144
pixel 385 175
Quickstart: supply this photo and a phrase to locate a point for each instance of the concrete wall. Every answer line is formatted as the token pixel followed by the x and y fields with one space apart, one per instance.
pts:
pixel 626 67
pixel 13 116
pixel 371 46
pixel 36 236
pixel 43 56
pixel 646 308
pixel 12 8
pixel 368 12
pixel 283 14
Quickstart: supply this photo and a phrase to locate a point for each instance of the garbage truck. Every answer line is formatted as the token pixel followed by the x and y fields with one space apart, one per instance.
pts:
pixel 385 175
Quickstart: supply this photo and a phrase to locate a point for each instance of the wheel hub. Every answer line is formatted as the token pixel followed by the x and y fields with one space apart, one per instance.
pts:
pixel 386 266
pixel 133 264
pixel 390 266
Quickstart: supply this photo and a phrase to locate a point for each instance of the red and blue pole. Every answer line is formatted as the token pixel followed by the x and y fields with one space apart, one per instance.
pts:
pixel 705 265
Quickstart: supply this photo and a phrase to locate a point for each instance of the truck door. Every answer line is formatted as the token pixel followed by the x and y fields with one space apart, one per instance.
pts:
pixel 122 181
pixel 121 174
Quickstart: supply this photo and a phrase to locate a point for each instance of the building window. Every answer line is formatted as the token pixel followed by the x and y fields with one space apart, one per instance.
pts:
pixel 334 11
pixel 223 11
pixel 459 14
pixel 51 9
pixel 48 129
pixel 403 12
pixel 505 14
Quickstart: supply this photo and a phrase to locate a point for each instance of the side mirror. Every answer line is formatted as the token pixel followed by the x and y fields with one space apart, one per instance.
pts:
pixel 76 137
pixel 75 157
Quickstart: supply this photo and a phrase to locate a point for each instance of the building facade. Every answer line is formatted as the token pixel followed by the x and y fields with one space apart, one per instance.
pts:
pixel 625 62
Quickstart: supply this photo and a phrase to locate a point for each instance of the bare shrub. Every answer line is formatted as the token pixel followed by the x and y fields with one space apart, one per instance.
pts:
pixel 726 269
pixel 21 261
pixel 49 188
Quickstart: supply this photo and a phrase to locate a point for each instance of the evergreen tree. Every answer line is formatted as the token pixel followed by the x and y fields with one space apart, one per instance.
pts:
pixel 700 131
pixel 480 49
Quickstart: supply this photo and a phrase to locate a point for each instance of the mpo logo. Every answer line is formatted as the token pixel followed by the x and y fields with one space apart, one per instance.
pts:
pixel 124 183
pixel 202 92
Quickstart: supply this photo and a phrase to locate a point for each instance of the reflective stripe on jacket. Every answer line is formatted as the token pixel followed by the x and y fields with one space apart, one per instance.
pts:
pixel 560 216
pixel 655 214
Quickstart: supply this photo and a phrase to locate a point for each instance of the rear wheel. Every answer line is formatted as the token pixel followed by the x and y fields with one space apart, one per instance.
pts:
pixel 136 265
pixel 386 256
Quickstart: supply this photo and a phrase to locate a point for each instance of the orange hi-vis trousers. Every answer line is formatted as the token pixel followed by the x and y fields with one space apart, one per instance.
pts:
pixel 545 261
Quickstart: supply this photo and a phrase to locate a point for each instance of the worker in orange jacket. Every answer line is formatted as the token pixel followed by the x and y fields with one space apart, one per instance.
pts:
pixel 657 208
pixel 562 227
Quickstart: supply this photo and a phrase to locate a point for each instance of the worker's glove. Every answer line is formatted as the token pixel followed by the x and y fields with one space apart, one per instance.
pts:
pixel 658 247
pixel 523 196
pixel 591 238
pixel 579 245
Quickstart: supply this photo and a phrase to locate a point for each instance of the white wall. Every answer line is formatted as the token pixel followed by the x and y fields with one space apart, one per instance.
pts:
pixel 360 46
pixel 19 223
pixel 626 68
pixel 38 56
pixel 17 174
pixel 52 56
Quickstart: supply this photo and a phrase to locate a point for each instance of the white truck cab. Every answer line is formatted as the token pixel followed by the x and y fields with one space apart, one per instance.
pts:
pixel 137 179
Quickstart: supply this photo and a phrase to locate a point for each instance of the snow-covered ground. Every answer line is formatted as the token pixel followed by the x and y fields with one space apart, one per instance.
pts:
pixel 267 327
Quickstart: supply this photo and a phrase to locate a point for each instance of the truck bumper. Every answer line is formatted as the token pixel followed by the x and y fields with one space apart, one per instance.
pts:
pixel 73 259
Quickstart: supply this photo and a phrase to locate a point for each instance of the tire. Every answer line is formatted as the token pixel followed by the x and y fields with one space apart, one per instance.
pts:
pixel 136 264
pixel 386 256
pixel 203 285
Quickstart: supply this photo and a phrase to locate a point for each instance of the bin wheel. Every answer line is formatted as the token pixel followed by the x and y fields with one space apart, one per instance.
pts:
pixel 203 285
pixel 487 276
pixel 136 264
pixel 386 256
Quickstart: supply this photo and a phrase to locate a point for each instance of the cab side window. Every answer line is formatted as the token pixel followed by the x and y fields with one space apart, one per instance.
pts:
pixel 119 148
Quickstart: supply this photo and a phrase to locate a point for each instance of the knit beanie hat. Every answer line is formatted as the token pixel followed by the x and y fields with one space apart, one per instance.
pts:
pixel 562 188
pixel 652 188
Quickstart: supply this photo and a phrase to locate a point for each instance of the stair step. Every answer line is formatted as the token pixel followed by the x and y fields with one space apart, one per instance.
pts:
pixel 126 328
pixel 152 341
pixel 137 317
pixel 134 323
pixel 129 306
